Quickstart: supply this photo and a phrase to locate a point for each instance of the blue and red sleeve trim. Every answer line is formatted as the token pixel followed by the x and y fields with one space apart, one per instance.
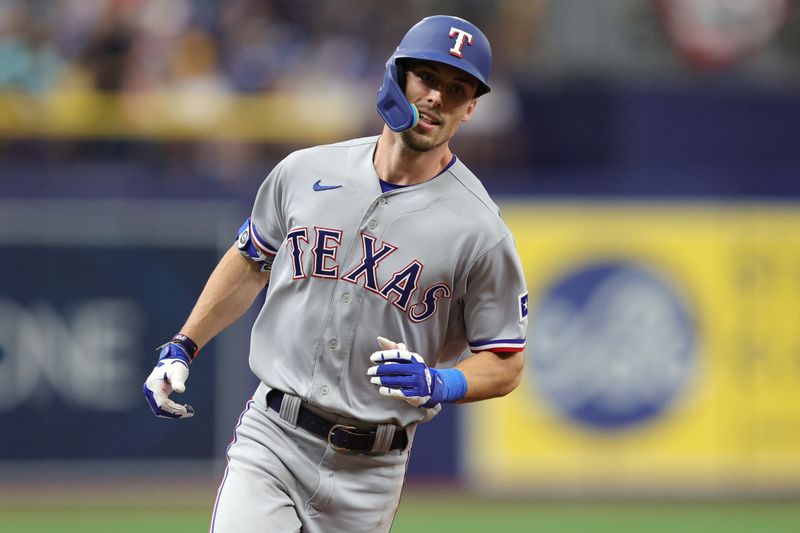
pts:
pixel 259 241
pixel 498 345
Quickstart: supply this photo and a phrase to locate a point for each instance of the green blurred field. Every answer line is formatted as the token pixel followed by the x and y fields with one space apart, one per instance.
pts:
pixel 419 513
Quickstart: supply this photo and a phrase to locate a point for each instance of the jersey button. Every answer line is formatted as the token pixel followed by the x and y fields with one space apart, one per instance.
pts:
pixel 382 201
pixel 324 390
pixel 333 343
pixel 372 224
pixel 346 298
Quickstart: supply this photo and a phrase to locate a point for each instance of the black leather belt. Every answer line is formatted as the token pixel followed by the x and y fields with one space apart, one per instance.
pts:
pixel 339 436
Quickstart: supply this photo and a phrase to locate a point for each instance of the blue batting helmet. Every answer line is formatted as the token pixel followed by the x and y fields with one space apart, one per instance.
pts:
pixel 441 38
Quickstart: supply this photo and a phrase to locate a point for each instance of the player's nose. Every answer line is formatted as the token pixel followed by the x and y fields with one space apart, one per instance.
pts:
pixel 434 97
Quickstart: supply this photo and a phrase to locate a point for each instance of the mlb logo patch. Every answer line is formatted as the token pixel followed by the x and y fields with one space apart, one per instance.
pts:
pixel 523 306
pixel 243 238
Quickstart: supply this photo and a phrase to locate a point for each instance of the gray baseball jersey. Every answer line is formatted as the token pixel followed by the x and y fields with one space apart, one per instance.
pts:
pixel 431 265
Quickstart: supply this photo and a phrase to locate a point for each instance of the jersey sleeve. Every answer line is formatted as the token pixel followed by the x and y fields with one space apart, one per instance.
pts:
pixel 496 300
pixel 263 232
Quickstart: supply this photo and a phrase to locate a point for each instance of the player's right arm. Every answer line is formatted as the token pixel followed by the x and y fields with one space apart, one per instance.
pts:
pixel 229 292
pixel 240 276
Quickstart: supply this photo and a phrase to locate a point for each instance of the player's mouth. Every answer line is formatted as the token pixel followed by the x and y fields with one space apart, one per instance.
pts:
pixel 428 119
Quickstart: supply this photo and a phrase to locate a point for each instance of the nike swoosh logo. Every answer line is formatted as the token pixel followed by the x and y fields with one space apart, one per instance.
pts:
pixel 319 187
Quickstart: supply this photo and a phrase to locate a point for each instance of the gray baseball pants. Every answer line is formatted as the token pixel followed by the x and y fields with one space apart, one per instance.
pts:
pixel 281 478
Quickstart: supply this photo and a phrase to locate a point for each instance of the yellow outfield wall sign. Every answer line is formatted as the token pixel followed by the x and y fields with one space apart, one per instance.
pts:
pixel 663 351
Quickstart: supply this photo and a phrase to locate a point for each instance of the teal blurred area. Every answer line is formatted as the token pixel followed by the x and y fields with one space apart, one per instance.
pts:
pixel 654 136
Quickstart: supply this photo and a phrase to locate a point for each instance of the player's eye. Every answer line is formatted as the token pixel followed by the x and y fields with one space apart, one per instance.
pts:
pixel 425 76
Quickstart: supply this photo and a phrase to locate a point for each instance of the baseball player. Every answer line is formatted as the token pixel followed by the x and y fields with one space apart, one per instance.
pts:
pixel 385 243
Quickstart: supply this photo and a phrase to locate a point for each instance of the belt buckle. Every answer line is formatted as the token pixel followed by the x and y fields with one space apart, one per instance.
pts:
pixel 350 429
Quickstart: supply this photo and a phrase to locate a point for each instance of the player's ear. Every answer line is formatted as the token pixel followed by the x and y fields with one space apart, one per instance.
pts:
pixel 470 109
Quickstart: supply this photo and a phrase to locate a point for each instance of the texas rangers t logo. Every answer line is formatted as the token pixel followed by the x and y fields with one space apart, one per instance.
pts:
pixel 461 38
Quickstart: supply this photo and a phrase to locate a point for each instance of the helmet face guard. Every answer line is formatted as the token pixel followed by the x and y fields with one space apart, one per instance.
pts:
pixel 444 39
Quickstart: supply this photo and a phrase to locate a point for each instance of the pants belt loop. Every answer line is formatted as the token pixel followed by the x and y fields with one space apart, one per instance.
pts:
pixel 290 408
pixel 383 438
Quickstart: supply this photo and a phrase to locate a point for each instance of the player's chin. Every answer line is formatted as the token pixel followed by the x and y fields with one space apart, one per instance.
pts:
pixel 418 141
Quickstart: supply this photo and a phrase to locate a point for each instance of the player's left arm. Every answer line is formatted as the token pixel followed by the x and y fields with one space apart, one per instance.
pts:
pixel 496 318
pixel 404 375
pixel 496 314
pixel 491 375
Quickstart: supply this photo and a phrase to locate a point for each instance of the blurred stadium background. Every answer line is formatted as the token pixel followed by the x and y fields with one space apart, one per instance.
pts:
pixel 644 152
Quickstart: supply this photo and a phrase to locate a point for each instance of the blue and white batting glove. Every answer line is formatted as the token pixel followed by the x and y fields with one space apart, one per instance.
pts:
pixel 170 374
pixel 404 375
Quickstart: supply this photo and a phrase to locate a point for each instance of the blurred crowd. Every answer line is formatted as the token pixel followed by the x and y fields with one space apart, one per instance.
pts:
pixel 327 54
pixel 249 46
pixel 243 46
pixel 97 62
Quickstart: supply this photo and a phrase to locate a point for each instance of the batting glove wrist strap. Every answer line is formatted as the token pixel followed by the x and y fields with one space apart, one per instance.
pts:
pixel 450 385
pixel 179 347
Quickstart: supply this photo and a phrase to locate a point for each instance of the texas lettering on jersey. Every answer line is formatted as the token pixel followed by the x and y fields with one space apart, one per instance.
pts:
pixel 399 289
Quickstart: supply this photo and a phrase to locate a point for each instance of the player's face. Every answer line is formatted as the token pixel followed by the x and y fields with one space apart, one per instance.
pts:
pixel 444 96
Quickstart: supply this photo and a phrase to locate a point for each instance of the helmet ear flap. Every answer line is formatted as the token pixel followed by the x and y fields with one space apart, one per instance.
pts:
pixel 393 106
